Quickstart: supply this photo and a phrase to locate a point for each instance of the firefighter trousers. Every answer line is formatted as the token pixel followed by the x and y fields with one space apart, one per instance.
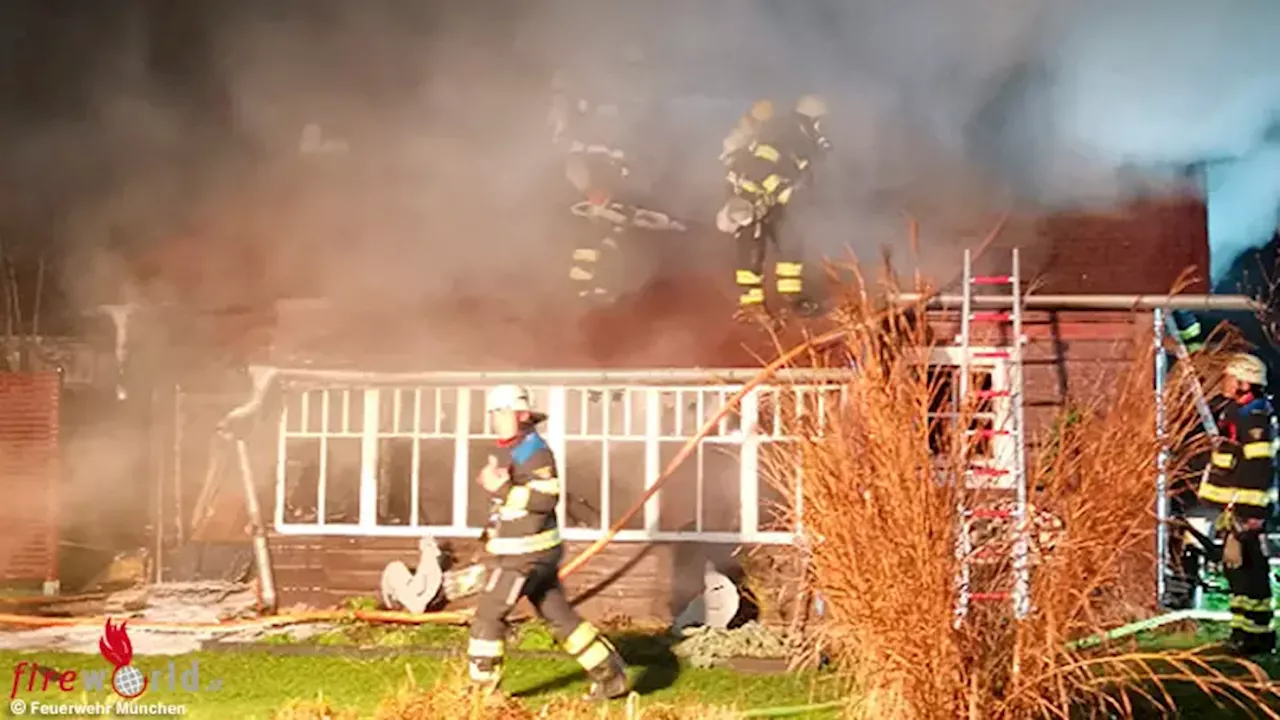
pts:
pixel 1250 588
pixel 534 576
pixel 596 260
pixel 754 244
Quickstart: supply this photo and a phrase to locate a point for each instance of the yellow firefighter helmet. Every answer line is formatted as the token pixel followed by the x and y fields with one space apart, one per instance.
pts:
pixel 761 111
pixel 812 106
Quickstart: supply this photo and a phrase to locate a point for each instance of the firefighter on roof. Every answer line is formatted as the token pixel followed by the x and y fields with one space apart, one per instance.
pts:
pixel 764 172
pixel 744 133
pixel 526 546
pixel 1239 480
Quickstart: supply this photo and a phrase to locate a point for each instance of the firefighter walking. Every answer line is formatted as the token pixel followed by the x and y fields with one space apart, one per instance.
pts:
pixel 768 159
pixel 1238 482
pixel 525 545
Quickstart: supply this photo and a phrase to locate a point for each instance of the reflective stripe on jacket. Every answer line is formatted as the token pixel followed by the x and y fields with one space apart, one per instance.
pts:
pixel 527 511
pixel 1242 465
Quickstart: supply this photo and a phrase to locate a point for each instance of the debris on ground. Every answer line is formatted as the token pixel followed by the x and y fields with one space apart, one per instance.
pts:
pixel 705 647
pixel 193 602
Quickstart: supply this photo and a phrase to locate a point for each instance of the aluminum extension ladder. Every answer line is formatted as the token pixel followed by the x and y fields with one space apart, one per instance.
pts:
pixel 1012 428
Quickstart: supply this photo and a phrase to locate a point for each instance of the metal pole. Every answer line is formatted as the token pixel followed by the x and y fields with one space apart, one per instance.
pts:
pixel 179 417
pixel 700 376
pixel 261 550
pixel 1162 458
pixel 1021 560
pixel 963 541
pixel 1135 303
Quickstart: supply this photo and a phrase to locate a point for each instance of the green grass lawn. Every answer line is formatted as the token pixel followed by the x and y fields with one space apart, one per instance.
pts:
pixel 253 684
pixel 256 682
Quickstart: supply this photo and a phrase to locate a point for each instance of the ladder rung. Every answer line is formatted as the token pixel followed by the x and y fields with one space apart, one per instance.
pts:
pixel 990 433
pixel 991 279
pixel 979 597
pixel 992 316
pixel 989 556
pixel 993 354
pixel 989 472
pixel 990 514
pixel 983 560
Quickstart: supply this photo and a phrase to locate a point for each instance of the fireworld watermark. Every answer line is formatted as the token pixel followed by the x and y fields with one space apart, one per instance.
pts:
pixel 127 681
pixel 18 707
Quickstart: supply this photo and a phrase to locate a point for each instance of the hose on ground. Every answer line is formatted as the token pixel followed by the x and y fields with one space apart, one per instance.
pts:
pixel 298 618
pixel 792 710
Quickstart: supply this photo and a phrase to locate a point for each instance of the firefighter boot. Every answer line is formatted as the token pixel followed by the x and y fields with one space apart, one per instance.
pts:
pixel 609 679
pixel 486 675
pixel 756 314
pixel 805 307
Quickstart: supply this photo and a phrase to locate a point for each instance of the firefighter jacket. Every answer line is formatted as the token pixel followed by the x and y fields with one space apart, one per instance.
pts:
pixel 1190 332
pixel 579 125
pixel 779 158
pixel 1197 462
pixel 526 514
pixel 1242 465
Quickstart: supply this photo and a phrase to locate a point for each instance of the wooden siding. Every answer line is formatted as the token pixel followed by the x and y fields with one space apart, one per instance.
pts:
pixel 633 580
pixel 1068 355
pixel 30 472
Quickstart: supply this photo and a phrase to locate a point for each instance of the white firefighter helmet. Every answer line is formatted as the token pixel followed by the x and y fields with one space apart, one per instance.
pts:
pixel 508 397
pixel 1247 368
pixel 734 215
pixel 812 106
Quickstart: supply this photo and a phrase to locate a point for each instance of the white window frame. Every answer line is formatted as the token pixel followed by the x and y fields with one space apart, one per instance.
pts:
pixel 555 398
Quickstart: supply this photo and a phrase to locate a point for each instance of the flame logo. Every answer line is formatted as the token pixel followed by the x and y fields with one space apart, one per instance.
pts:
pixel 129 682
pixel 115 645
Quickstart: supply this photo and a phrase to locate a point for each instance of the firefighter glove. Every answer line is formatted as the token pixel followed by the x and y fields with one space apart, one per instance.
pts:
pixel 493 477
pixel 1232 552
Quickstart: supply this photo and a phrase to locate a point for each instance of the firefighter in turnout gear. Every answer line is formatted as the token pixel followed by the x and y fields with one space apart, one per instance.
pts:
pixel 592 134
pixel 1241 469
pixel 1190 551
pixel 525 544
pixel 744 133
pixel 1190 331
pixel 764 172
pixel 1193 337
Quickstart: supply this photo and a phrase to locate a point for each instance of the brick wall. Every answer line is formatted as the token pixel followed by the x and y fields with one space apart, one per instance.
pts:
pixel 1142 248
pixel 641 581
pixel 1069 355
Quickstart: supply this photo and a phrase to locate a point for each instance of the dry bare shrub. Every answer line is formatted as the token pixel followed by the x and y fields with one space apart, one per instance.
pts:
pixel 312 709
pixel 453 696
pixel 881 527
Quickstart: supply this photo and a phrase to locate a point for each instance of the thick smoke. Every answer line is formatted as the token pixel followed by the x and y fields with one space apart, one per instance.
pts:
pixel 132 122
pixel 951 110
pixel 1169 83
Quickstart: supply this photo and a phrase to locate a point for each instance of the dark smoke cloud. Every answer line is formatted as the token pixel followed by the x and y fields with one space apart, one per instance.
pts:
pixel 948 109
